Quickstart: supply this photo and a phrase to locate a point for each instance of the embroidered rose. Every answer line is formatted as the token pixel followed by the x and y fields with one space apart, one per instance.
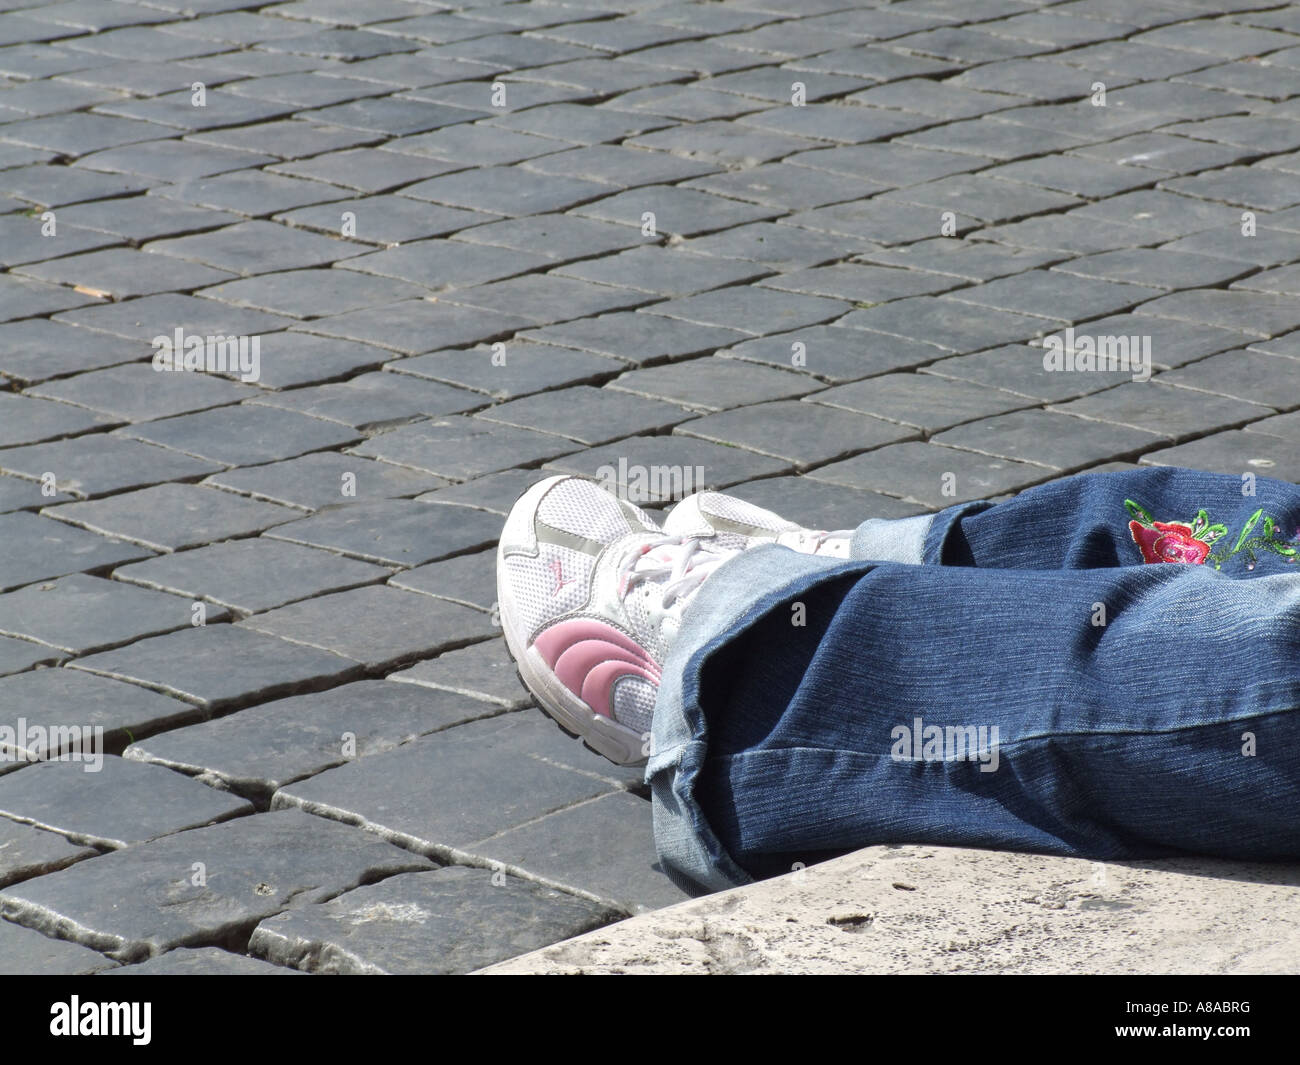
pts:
pixel 1172 541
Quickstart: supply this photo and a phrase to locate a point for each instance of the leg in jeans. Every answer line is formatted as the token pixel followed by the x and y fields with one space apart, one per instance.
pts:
pixel 1140 710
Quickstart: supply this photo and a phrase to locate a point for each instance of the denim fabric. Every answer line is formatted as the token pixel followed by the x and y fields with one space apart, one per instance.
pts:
pixel 1140 710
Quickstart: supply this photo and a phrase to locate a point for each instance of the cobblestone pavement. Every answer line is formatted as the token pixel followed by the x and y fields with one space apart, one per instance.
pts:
pixel 802 256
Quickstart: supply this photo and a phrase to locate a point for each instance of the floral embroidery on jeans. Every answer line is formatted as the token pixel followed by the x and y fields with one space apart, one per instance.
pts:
pixel 1190 542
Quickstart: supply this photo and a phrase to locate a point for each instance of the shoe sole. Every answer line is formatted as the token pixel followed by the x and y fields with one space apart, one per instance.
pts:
pixel 620 744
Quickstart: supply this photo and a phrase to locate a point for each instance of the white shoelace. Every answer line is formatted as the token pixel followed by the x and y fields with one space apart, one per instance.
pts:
pixel 684 561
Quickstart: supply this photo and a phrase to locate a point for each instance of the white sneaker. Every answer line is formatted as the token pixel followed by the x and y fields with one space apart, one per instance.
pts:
pixel 732 523
pixel 591 594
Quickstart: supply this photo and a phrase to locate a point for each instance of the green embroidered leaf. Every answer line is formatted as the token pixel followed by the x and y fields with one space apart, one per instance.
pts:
pixel 1213 532
pixel 1138 512
pixel 1250 524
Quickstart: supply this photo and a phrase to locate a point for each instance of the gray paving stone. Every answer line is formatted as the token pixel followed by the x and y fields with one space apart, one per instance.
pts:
pixel 118 804
pixel 1233 452
pixel 557 237
pixel 311 293
pixel 98 464
pixel 1262 314
pixel 1053 295
pixel 890 163
pixel 386 220
pixel 176 110
pixel 1173 412
pixel 834 353
pixel 1248 186
pixel 930 475
pixel 414 327
pixel 467 579
pixel 605 847
pixel 172 160
pixel 258 247
pixel 80 614
pixel 201 961
pixel 1021 370
pixel 1173 342
pixel 24 952
pixel 1283 345
pixel 21 297
pixel 307 89
pixel 444 791
pixel 150 316
pixel 527 368
pixel 779 246
pixel 968 261
pixel 1002 140
pixel 861 283
pixel 923 401
pixel 395 532
pixel 678 211
pixel 881 221
pixel 655 469
pixel 638 338
pixel 19 655
pixel 244 435
pixel 795 432
pixel 1160 151
pixel 752 310
pixel 1266 247
pixel 985 197
pixel 662 271
pixel 288 139
pixel 169 517
pixel 145 900
pixel 480 671
pixel 1163 268
pixel 1256 376
pixel 506 190
pixel 1047 439
pixel 461 448
pixel 714 383
pixel 244 575
pixel 785 186
pixel 367 170
pixel 325 479
pixel 374 400
pixel 381 627
pixel 544 298
pixel 1069 234
pixel 496 492
pixel 59 699
pixel 80 133
pixel 588 415
pixel 1168 214
pixel 16 494
pixel 1285 279
pixel 724 143
pixel 292 358
pixel 24 242
pixel 453 920
pixel 1063 173
pixel 475 145
pixel 259 750
pixel 221 667
pixel 26 852
pixel 620 166
pixel 138 392
pixel 946 324
pixel 820 505
pixel 38 548
pixel 29 419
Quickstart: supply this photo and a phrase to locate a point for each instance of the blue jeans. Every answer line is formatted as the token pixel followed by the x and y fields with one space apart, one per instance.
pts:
pixel 1107 667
